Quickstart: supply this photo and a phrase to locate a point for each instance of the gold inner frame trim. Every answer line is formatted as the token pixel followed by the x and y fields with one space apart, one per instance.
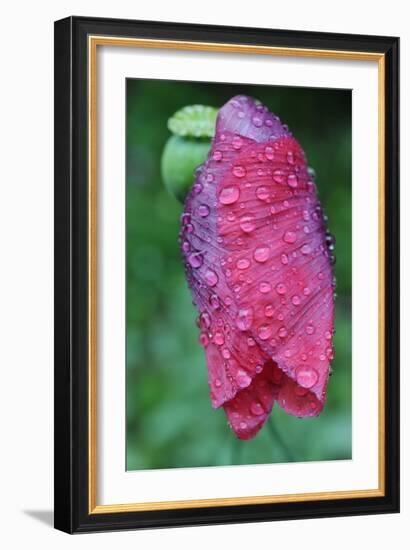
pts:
pixel 93 42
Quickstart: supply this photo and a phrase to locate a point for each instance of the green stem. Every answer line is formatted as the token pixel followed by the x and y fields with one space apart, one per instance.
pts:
pixel 287 453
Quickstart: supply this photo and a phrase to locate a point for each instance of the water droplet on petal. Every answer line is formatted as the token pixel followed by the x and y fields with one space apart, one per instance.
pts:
pixel 309 329
pixel 282 332
pixel 261 254
pixel 237 142
pixel 195 259
pixel 279 176
pixel 289 237
pixel 203 210
pixel 243 425
pixel 203 339
pixel 290 157
pixel 218 383
pixel 226 354
pixel 257 121
pixel 219 338
pixel 204 320
pixel 229 195
pixel 306 376
pixel 211 277
pixel 243 263
pixel 306 249
pixel 244 318
pixel 269 152
pixel 295 300
pixel 239 171
pixel 292 180
pixel 284 259
pixel 217 155
pixel 264 332
pixel 269 310
pixel 264 287
pixel 247 223
pixel 262 193
pixel 281 288
pixel 214 301
pixel 256 408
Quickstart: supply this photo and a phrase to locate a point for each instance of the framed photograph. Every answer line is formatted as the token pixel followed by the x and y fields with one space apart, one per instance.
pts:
pixel 226 274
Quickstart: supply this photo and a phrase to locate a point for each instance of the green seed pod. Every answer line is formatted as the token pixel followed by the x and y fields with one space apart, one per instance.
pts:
pixel 180 157
pixel 193 127
pixel 194 121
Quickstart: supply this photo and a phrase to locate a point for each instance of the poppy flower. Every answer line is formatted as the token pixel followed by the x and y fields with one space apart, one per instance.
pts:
pixel 258 260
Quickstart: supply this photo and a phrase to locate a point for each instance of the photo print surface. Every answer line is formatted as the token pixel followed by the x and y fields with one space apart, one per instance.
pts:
pixel 238 253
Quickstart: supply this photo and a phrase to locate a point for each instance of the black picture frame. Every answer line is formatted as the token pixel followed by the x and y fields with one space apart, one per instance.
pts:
pixel 71 490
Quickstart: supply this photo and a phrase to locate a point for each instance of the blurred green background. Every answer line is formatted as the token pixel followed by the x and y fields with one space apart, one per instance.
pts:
pixel 170 422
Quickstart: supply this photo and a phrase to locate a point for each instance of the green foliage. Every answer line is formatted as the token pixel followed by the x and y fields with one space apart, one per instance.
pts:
pixel 170 422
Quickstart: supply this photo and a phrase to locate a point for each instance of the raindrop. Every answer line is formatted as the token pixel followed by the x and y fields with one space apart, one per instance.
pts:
pixel 290 157
pixel 211 278
pixel 262 193
pixel 243 425
pixel 284 259
pixel 296 300
pixel 306 249
pixel 257 121
pixel 229 195
pixel 281 288
pixel 306 376
pixel 203 339
pixel 243 263
pixel 186 247
pixel 256 408
pixel 237 142
pixel 310 329
pixel 247 223
pixel 279 176
pixel 269 152
pixel 264 332
pixel 239 171
pixel 214 301
pixel 264 287
pixel 197 188
pixel 219 338
pixel 243 379
pixel 289 237
pixel 269 310
pixel 244 319
pixel 203 210
pixel 195 259
pixel 217 156
pixel 292 180
pixel 204 320
pixel 282 332
pixel 261 254
pixel 226 354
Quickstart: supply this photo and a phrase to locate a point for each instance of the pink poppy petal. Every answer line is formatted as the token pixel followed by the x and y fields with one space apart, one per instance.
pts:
pixel 258 262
